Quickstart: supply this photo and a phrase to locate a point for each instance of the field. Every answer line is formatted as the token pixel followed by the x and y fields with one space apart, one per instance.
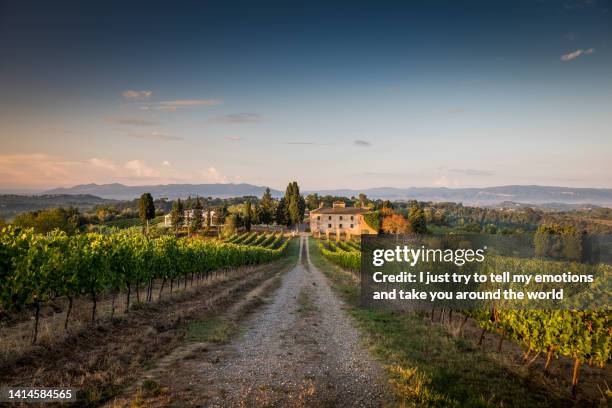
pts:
pixel 132 320
pixel 577 339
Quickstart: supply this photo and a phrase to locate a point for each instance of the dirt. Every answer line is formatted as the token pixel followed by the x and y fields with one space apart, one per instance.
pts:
pixel 300 349
pixel 102 361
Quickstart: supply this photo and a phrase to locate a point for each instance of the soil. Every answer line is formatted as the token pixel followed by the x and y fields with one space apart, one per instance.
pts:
pixel 301 349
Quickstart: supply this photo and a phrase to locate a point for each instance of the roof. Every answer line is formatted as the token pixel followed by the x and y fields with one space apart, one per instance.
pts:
pixel 339 210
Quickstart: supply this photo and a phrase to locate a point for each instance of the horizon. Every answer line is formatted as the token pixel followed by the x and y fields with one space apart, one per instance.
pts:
pixel 35 192
pixel 431 94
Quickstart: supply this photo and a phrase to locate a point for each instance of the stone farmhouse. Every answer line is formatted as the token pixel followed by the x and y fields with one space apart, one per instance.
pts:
pixel 339 220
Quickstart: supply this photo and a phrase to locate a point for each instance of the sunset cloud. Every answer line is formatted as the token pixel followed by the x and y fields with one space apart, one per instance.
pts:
pixel 575 54
pixel 132 94
pixel 183 103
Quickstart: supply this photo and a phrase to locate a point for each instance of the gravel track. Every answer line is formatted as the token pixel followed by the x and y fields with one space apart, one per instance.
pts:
pixel 299 350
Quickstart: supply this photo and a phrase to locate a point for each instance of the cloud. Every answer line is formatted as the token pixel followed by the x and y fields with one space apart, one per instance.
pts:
pixel 132 121
pixel 43 171
pixel 233 138
pixel 570 36
pixel 362 143
pixel 140 169
pixel 131 94
pixel 238 118
pixel 575 54
pixel 444 181
pixel 212 175
pixel 154 136
pixel 103 164
pixel 172 106
pixel 472 172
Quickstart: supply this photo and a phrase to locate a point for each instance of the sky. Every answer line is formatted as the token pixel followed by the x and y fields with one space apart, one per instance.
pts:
pixel 331 94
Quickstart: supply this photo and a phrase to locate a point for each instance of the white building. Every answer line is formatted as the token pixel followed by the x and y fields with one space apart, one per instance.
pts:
pixel 188 215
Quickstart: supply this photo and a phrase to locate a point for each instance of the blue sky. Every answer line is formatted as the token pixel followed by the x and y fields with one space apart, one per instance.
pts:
pixel 355 94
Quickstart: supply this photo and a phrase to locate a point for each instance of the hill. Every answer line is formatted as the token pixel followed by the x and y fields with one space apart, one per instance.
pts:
pixel 538 195
pixel 12 204
pixel 171 191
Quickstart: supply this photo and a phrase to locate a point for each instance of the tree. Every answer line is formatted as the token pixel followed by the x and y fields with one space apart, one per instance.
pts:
pixel 229 226
pixel 177 215
pixel 146 209
pixel 281 213
pixel 363 200
pixel 294 205
pixel 312 201
pixel 417 221
pixel 248 216
pixel 266 208
pixel 196 220
pixel 394 224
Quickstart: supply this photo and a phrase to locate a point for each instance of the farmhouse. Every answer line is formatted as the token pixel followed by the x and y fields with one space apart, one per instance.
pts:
pixel 188 214
pixel 339 220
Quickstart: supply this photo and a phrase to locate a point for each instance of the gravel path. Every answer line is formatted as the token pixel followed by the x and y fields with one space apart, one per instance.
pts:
pixel 300 350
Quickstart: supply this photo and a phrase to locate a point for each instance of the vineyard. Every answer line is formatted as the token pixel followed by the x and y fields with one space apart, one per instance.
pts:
pixel 582 335
pixel 343 253
pixel 271 241
pixel 38 268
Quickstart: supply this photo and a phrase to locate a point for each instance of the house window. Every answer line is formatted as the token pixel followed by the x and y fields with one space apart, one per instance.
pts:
pixel 340 218
pixel 340 225
pixel 318 217
pixel 352 218
pixel 328 225
pixel 329 218
pixel 351 225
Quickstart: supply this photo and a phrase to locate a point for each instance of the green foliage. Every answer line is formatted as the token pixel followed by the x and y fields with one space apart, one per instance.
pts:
pixel 416 219
pixel 248 216
pixel 372 219
pixel 292 206
pixel 178 214
pixel 146 207
pixel 68 220
pixel 556 241
pixel 35 268
pixel 266 208
pixel 347 259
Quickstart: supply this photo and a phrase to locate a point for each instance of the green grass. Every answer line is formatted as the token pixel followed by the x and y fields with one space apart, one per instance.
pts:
pixel 427 367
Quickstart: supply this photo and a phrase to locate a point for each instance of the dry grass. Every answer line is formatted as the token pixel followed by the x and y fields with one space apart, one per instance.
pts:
pixel 102 361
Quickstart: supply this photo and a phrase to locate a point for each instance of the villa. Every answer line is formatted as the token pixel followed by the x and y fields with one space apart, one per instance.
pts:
pixel 339 220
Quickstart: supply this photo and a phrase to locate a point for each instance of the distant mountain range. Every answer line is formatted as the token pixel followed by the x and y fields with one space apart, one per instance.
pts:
pixel 489 195
pixel 171 191
pixel 537 195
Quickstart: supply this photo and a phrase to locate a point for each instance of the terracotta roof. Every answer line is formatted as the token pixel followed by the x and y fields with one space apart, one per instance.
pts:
pixel 339 210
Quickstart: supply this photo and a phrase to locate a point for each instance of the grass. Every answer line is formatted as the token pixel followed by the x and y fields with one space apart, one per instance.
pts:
pixel 426 366
pixel 214 330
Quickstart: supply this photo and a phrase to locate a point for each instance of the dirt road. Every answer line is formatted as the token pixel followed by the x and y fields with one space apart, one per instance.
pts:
pixel 298 350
